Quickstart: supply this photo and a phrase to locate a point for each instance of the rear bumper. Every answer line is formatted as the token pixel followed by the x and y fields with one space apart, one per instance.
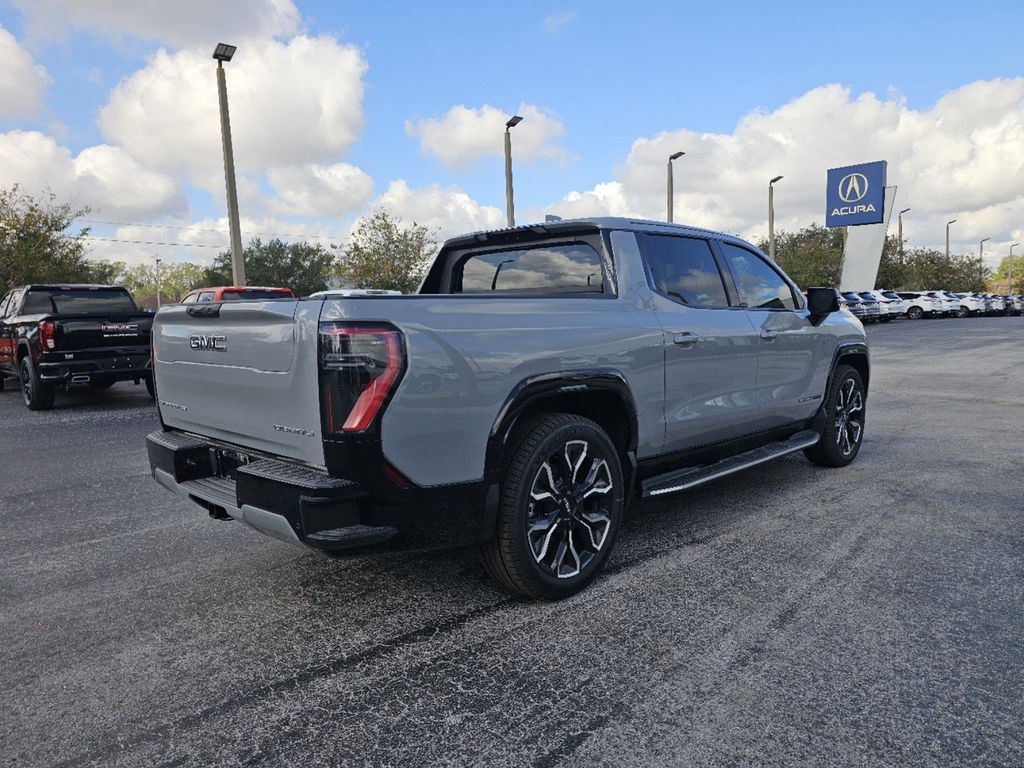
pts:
pixel 123 366
pixel 306 507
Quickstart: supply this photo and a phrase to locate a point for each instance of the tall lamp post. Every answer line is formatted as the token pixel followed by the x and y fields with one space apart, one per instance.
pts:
pixel 510 208
pixel 981 258
pixel 900 220
pixel 222 53
pixel 771 217
pixel 947 236
pixel 158 283
pixel 1009 274
pixel 671 181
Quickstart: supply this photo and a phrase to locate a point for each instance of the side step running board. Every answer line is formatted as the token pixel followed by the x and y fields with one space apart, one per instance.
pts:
pixel 689 477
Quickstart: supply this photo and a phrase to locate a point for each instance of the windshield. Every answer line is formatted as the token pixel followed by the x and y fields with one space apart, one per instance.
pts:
pixel 71 301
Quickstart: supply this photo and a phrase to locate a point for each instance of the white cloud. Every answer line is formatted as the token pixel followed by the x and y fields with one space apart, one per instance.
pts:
pixel 103 177
pixel 291 104
pixel 555 20
pixel 319 190
pixel 449 210
pixel 178 23
pixel 22 81
pixel 462 136
pixel 960 158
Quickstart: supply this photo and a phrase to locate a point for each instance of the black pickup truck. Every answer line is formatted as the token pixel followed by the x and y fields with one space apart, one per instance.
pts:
pixel 60 335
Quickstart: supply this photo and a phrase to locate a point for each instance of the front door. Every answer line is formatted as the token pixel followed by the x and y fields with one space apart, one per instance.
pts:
pixel 710 347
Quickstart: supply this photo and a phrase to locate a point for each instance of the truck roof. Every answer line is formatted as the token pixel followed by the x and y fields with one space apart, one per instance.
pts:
pixel 70 287
pixel 593 222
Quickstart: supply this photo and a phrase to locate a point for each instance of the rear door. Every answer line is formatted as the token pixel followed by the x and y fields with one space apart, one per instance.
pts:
pixel 242 372
pixel 710 347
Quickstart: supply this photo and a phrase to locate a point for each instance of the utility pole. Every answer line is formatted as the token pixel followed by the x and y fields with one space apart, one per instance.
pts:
pixel 900 220
pixel 1009 273
pixel 671 182
pixel 222 53
pixel 158 283
pixel 981 258
pixel 771 217
pixel 510 207
pixel 947 236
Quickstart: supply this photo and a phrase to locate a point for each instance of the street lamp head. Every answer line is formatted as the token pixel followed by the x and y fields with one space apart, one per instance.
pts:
pixel 224 52
pixel 904 211
pixel 676 155
pixel 985 239
pixel 951 222
pixel 513 121
pixel 777 178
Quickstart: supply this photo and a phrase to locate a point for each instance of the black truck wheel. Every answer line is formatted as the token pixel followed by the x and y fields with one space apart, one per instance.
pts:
pixel 844 412
pixel 559 511
pixel 150 387
pixel 37 395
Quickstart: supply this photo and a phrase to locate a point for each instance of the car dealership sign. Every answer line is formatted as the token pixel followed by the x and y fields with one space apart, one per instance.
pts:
pixel 855 195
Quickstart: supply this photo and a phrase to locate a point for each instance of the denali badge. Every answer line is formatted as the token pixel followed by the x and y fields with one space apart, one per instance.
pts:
pixel 218 343
pixel 294 430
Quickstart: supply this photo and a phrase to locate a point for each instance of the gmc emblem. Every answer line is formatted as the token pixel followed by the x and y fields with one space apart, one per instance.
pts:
pixel 218 343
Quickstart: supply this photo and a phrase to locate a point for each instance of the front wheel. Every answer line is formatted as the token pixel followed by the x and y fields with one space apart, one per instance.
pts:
pixel 963 312
pixel 37 395
pixel 843 433
pixel 560 506
pixel 915 313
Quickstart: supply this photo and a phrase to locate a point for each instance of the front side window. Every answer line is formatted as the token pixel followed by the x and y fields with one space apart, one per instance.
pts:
pixel 684 269
pixel 565 268
pixel 759 286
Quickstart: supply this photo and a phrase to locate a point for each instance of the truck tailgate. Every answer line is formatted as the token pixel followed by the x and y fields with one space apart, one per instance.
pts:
pixel 242 372
pixel 79 332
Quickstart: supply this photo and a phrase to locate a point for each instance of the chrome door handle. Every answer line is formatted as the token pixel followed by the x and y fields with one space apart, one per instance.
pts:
pixel 769 335
pixel 685 339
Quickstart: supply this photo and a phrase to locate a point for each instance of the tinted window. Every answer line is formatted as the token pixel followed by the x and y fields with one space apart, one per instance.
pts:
pixel 205 296
pixel 78 301
pixel 252 293
pixel 851 297
pixel 760 286
pixel 571 268
pixel 190 299
pixel 684 269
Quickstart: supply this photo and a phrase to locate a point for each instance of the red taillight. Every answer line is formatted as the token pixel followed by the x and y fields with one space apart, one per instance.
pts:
pixel 46 335
pixel 359 365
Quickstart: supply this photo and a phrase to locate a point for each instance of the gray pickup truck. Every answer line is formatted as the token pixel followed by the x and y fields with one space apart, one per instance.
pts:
pixel 540 379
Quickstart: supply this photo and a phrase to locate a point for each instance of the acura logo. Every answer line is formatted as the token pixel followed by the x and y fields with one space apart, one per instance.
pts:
pixel 218 343
pixel 853 187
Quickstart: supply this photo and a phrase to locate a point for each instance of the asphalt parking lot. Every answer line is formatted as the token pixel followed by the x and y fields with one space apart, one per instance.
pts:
pixel 790 615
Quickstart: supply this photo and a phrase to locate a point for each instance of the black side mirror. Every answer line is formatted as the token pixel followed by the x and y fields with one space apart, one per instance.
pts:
pixel 822 302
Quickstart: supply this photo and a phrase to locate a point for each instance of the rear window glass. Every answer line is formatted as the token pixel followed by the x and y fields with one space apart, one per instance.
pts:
pixel 569 268
pixel 684 269
pixel 77 301
pixel 252 293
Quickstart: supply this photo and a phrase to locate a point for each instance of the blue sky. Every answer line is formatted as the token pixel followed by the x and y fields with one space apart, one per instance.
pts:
pixel 608 74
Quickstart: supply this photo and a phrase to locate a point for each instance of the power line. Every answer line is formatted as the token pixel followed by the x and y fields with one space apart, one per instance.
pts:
pixel 192 228
pixel 152 242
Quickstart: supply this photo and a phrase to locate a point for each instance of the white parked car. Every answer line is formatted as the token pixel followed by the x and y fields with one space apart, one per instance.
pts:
pixel 920 304
pixel 950 307
pixel 897 304
pixel 885 312
pixel 970 303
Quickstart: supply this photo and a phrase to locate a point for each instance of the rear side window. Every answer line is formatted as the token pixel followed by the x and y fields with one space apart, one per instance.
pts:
pixel 253 293
pixel 684 269
pixel 78 301
pixel 759 285
pixel 205 296
pixel 190 299
pixel 567 268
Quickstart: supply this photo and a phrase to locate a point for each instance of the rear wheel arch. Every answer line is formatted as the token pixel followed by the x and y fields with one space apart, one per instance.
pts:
pixel 601 396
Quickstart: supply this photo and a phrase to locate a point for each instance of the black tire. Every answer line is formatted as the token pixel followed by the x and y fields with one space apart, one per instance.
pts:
pixel 547 459
pixel 844 420
pixel 963 312
pixel 37 395
pixel 885 319
pixel 3 380
pixel 150 387
pixel 915 313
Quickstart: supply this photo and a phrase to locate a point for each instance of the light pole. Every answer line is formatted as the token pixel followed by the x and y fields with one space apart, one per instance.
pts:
pixel 510 207
pixel 947 236
pixel 771 217
pixel 158 283
pixel 900 220
pixel 1009 274
pixel 671 182
pixel 222 53
pixel 981 258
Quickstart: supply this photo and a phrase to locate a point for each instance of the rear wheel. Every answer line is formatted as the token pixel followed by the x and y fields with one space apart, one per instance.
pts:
pixel 963 312
pixel 843 432
pixel 560 506
pixel 150 388
pixel 915 313
pixel 37 395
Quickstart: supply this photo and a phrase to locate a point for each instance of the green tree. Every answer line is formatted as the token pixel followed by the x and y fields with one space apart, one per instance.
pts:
pixel 385 254
pixel 36 241
pixel 106 272
pixel 812 256
pixel 1002 274
pixel 304 267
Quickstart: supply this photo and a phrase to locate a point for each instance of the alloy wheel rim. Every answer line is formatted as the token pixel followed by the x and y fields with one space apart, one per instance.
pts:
pixel 568 517
pixel 849 417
